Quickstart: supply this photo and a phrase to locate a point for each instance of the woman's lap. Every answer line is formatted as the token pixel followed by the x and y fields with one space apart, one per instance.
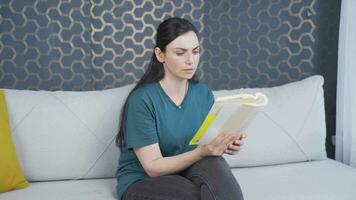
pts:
pixel 209 178
pixel 170 187
pixel 214 177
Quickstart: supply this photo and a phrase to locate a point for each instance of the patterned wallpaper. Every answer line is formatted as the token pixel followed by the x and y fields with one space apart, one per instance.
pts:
pixel 98 44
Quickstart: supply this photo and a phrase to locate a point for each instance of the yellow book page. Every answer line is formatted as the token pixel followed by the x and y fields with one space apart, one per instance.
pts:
pixel 202 130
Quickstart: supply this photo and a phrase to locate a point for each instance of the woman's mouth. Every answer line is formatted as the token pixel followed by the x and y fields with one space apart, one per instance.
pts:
pixel 188 70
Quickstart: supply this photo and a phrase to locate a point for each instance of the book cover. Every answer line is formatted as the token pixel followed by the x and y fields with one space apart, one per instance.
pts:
pixel 230 113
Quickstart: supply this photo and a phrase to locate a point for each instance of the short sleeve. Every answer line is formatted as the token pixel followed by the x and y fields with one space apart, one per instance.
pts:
pixel 140 124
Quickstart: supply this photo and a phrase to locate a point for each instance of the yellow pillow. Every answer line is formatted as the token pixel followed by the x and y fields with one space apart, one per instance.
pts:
pixel 11 175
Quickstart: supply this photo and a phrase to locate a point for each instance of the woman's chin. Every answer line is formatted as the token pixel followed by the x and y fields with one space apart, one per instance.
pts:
pixel 187 77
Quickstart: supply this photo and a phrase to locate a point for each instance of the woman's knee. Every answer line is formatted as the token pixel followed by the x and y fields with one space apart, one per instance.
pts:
pixel 212 164
pixel 212 172
pixel 213 160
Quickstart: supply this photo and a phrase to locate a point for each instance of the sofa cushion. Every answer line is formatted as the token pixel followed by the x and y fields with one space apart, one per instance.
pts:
pixel 291 128
pixel 65 134
pixel 315 180
pixel 11 174
pixel 93 189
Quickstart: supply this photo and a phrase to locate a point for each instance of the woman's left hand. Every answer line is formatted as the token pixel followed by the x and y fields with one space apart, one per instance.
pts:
pixel 235 146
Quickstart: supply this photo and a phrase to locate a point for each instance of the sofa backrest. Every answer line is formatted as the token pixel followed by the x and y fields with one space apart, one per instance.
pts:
pixel 70 135
pixel 290 128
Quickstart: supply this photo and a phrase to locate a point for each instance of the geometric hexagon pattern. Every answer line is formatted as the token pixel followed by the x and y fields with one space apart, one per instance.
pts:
pixel 270 43
pixel 81 45
pixel 99 44
pixel 123 36
pixel 86 45
pixel 45 45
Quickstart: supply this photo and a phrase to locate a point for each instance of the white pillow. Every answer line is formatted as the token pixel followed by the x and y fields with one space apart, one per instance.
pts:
pixel 65 134
pixel 291 128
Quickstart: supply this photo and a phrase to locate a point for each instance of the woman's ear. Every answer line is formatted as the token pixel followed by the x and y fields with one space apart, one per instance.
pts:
pixel 159 55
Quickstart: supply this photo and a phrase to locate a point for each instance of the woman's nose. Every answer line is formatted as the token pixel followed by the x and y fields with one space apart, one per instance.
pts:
pixel 190 58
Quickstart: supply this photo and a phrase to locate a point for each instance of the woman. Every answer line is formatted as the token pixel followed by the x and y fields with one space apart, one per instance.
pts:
pixel 160 116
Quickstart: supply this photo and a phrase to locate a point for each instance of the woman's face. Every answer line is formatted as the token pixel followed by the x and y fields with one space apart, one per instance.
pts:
pixel 181 58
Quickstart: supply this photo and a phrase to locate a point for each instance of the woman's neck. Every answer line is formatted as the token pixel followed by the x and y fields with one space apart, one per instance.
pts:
pixel 176 89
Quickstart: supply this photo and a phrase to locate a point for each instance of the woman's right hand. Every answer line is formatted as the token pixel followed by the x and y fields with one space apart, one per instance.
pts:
pixel 218 145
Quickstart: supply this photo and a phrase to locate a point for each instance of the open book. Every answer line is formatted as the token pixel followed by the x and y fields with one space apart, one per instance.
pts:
pixel 230 113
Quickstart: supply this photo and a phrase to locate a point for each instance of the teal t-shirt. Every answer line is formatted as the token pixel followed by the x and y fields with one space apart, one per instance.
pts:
pixel 152 117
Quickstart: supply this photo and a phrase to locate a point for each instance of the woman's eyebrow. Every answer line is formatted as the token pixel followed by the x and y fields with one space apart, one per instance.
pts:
pixel 183 49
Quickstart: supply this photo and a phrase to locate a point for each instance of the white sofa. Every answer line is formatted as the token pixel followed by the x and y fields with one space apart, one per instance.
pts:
pixel 65 144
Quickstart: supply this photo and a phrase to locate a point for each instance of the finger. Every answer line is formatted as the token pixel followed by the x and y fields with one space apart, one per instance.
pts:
pixel 234 148
pixel 230 152
pixel 224 137
pixel 243 136
pixel 228 146
pixel 220 142
pixel 231 146
pixel 223 145
pixel 238 142
pixel 218 139
pixel 234 136
pixel 229 139
pixel 233 139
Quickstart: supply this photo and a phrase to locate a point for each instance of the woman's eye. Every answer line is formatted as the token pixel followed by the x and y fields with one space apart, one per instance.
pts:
pixel 179 53
pixel 195 52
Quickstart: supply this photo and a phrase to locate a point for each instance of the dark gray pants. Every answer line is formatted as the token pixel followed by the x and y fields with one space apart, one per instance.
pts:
pixel 208 179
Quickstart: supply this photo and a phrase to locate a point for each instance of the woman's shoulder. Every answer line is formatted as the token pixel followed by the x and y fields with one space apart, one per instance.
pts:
pixel 203 93
pixel 201 87
pixel 143 92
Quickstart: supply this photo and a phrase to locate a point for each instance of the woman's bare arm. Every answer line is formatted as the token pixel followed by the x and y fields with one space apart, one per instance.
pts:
pixel 156 165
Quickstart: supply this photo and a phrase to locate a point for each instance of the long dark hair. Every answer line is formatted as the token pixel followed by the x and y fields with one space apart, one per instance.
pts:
pixel 167 31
